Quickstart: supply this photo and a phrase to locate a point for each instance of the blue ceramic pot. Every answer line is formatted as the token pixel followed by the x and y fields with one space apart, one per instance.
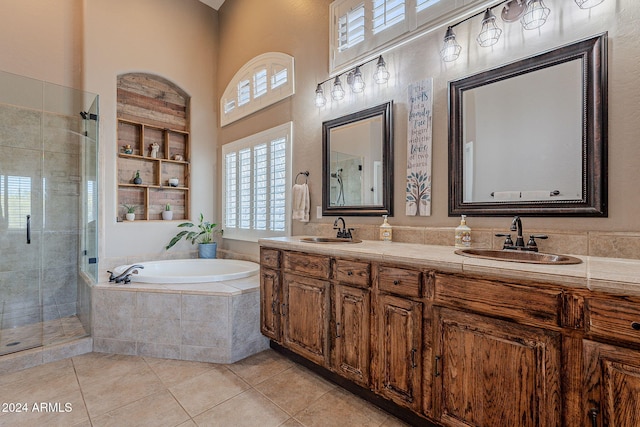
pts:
pixel 207 250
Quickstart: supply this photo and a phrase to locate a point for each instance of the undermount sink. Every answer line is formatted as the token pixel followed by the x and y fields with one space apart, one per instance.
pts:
pixel 328 240
pixel 519 256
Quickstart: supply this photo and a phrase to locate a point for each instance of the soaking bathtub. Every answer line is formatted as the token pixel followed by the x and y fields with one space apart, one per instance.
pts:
pixel 205 310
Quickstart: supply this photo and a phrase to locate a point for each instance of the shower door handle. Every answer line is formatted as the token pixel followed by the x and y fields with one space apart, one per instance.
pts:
pixel 28 229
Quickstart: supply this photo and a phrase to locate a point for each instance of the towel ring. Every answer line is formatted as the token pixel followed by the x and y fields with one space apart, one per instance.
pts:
pixel 305 173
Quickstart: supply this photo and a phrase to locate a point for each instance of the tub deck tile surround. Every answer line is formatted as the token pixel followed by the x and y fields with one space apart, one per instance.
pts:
pixel 208 322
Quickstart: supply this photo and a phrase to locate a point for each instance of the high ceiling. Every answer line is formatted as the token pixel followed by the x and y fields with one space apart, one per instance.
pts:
pixel 215 4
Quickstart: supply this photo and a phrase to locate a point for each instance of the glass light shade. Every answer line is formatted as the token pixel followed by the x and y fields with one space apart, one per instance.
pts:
pixel 535 16
pixel 587 4
pixel 320 99
pixel 357 84
pixel 381 75
pixel 451 49
pixel 337 92
pixel 490 33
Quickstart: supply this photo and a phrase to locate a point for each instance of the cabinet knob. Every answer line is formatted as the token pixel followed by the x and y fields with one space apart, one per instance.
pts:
pixel 396 282
pixel 635 326
pixel 349 273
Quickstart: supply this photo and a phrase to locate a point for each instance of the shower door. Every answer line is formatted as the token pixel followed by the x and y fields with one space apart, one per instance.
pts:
pixel 21 213
pixel 48 212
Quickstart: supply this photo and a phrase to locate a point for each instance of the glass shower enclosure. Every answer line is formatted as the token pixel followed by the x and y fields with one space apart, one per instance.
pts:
pixel 48 212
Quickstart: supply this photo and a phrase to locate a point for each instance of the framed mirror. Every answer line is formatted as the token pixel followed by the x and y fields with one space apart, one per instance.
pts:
pixel 529 138
pixel 357 163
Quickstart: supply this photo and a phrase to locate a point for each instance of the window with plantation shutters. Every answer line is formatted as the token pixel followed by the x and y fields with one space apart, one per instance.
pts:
pixel 256 174
pixel 351 28
pixel 15 196
pixel 360 29
pixel 264 80
pixel 387 13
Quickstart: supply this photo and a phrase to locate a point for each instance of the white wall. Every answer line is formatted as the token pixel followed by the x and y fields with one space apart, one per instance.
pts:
pixel 177 40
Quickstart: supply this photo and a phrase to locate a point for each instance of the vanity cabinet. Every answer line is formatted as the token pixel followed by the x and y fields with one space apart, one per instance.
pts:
pixel 398 330
pixel 398 352
pixel 612 362
pixel 271 294
pixel 350 320
pixel 491 372
pixel 305 305
pixel 491 367
pixel 455 349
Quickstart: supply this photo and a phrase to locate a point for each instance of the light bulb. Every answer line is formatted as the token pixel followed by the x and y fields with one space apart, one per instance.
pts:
pixel 357 84
pixel 450 49
pixel 490 33
pixel 381 75
pixel 337 92
pixel 320 99
pixel 535 16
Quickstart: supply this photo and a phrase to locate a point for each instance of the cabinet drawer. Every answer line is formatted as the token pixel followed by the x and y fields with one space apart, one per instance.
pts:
pixel 400 281
pixel 353 272
pixel 270 258
pixel 519 302
pixel 310 265
pixel 613 319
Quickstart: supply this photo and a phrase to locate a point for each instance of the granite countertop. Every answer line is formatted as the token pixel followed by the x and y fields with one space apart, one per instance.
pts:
pixel 615 275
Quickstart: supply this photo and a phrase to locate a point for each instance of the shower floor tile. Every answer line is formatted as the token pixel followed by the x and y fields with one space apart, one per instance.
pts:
pixel 46 333
pixel 99 389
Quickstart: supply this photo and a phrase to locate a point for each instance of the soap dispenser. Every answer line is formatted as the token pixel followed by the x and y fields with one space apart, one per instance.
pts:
pixel 463 234
pixel 386 231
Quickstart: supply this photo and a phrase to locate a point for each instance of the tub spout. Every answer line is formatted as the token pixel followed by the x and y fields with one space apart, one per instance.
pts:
pixel 125 277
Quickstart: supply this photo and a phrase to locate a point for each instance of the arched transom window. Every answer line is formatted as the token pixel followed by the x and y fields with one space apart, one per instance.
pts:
pixel 264 80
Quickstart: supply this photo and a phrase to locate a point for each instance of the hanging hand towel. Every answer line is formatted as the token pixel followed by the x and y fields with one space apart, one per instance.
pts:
pixel 300 202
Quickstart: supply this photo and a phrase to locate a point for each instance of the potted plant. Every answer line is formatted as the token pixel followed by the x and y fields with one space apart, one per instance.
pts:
pixel 131 212
pixel 167 213
pixel 207 248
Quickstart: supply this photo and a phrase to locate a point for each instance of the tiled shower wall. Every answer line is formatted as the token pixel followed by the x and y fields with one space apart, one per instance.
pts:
pixel 45 150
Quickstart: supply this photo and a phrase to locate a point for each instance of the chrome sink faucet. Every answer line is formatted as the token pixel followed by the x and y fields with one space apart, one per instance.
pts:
pixel 516 225
pixel 344 232
pixel 125 276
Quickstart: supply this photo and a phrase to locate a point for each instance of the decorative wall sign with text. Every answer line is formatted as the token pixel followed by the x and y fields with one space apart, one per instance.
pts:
pixel 419 144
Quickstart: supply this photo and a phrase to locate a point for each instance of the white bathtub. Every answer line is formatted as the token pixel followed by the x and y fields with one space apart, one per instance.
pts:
pixel 192 270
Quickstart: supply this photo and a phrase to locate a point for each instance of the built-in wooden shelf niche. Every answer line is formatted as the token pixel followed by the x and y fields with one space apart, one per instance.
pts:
pixel 152 110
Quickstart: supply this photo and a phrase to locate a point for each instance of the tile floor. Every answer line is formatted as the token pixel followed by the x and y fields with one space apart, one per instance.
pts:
pixel 50 332
pixel 115 390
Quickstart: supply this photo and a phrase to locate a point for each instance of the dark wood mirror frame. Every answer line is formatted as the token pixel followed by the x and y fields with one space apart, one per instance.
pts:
pixel 593 53
pixel 386 111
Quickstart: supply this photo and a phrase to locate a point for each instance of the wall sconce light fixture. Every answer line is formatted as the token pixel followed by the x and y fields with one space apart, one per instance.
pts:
pixel 320 99
pixel 355 80
pixel 337 92
pixel 450 48
pixel 535 15
pixel 490 33
pixel 381 75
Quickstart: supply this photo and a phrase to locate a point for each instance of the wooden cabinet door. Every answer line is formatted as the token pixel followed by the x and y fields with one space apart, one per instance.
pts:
pixel 270 303
pixel 305 316
pixel 351 308
pixel 495 373
pixel 612 386
pixel 398 350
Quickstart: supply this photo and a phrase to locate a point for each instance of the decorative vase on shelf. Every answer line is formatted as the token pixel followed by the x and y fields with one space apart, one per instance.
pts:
pixel 173 182
pixel 167 213
pixel 207 250
pixel 137 179
pixel 130 216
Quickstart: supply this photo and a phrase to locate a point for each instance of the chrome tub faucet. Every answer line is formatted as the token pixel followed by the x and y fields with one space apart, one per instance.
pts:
pixel 125 276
